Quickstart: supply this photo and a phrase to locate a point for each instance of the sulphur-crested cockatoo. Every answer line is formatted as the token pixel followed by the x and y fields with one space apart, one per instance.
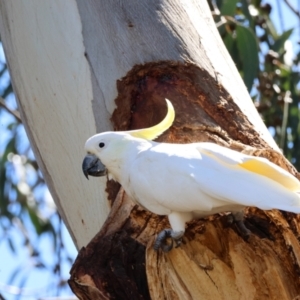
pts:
pixel 187 181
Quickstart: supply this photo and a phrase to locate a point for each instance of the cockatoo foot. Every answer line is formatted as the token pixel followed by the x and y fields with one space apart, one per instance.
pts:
pixel 244 231
pixel 238 218
pixel 166 238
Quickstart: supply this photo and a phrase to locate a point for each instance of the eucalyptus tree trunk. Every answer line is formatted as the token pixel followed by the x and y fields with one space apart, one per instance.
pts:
pixel 81 67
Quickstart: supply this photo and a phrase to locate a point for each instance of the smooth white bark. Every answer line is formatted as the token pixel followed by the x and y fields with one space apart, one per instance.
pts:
pixel 51 78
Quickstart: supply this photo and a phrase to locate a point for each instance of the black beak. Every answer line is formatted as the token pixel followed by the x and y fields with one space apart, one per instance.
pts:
pixel 92 165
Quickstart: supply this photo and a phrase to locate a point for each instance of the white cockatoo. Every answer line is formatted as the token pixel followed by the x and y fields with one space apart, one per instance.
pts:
pixel 188 181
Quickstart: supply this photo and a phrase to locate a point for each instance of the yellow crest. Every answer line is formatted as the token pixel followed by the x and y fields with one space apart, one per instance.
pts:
pixel 153 132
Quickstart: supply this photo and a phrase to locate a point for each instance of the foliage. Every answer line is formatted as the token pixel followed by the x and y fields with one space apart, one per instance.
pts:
pixel 262 55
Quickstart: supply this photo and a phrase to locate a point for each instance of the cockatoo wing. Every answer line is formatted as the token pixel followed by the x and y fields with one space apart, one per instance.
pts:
pixel 163 178
pixel 208 178
pixel 253 164
pixel 251 181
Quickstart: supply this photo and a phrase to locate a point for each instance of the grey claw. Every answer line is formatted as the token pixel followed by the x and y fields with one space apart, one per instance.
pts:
pixel 245 232
pixel 161 240
pixel 163 236
pixel 230 219
pixel 241 227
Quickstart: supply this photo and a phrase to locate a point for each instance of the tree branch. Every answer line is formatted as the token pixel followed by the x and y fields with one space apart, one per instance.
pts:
pixel 15 113
pixel 296 12
pixel 280 15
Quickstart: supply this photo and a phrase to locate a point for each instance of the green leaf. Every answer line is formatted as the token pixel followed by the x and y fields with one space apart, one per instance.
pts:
pixel 229 42
pixel 246 12
pixel 35 220
pixel 248 51
pixel 228 7
pixel 231 46
pixel 270 29
pixel 279 42
pixel 3 180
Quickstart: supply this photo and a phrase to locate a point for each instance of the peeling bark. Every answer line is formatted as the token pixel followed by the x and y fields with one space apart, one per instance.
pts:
pixel 207 111
pixel 214 262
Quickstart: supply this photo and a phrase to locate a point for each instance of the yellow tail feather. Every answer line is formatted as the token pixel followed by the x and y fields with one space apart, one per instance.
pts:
pixel 265 168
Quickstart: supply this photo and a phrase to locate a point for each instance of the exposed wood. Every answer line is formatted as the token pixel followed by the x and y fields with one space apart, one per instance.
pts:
pixel 218 264
pixel 204 110
pixel 114 262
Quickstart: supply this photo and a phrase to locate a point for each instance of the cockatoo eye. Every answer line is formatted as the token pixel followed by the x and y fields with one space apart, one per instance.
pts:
pixel 101 145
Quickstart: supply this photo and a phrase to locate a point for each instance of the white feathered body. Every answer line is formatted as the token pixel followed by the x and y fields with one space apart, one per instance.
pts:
pixel 200 178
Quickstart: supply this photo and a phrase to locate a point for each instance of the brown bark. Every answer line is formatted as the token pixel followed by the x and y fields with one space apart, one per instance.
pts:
pixel 214 262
